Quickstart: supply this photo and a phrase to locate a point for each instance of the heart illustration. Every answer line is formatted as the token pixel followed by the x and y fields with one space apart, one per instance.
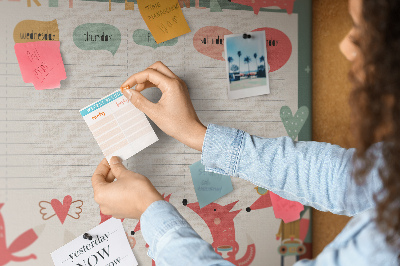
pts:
pixel 62 209
pixel 293 124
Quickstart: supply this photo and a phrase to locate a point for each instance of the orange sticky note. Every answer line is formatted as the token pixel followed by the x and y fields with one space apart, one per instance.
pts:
pixel 164 18
pixel 41 63
pixel 34 30
pixel 284 209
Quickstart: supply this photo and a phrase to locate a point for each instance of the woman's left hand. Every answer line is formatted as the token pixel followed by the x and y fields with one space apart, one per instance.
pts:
pixel 127 197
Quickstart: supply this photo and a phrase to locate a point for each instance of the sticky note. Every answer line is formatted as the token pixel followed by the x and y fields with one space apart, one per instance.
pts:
pixel 209 186
pixel 41 63
pixel 284 209
pixel 34 31
pixel 118 126
pixel 108 246
pixel 164 18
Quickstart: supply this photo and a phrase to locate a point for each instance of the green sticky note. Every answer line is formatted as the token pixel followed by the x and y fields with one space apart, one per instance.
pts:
pixel 209 186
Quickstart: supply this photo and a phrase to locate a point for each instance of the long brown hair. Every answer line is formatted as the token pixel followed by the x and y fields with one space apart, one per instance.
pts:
pixel 375 103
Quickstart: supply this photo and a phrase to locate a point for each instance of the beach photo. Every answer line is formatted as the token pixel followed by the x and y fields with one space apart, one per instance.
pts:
pixel 246 64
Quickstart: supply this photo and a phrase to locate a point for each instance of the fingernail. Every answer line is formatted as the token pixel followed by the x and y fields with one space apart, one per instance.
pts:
pixel 128 94
pixel 115 160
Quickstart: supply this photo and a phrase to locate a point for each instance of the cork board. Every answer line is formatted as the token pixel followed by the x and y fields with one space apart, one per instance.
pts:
pixel 50 154
pixel 331 89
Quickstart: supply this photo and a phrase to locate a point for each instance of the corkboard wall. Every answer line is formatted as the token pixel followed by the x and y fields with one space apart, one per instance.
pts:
pixel 331 88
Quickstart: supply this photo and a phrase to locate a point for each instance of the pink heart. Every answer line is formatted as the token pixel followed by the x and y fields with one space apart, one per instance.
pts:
pixel 62 209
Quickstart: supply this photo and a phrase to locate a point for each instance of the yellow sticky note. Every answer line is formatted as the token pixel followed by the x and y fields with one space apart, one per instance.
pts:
pixel 164 18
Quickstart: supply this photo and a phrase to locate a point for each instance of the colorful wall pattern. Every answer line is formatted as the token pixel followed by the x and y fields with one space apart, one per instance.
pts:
pixel 46 198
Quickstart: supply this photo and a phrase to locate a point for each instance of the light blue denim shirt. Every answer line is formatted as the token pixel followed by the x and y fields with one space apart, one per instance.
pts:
pixel 312 173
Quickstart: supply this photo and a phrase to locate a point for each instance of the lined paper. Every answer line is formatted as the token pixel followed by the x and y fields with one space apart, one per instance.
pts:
pixel 118 126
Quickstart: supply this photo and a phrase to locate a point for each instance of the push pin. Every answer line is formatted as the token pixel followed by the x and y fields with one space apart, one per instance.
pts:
pixel 87 236
pixel 127 87
pixel 246 36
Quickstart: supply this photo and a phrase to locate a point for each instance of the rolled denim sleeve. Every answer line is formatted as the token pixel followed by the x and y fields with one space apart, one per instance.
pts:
pixel 316 174
pixel 171 239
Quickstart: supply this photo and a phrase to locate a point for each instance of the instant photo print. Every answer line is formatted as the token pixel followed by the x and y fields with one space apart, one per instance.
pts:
pixel 246 64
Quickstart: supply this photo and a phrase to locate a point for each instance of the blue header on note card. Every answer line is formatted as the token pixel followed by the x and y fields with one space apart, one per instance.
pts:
pixel 101 103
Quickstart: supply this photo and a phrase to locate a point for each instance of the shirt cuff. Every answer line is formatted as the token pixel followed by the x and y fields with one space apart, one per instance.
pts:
pixel 157 220
pixel 221 150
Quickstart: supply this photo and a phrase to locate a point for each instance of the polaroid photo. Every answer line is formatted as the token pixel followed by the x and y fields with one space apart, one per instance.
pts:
pixel 246 64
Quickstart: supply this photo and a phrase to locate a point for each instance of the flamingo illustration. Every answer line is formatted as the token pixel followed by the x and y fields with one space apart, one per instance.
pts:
pixel 20 243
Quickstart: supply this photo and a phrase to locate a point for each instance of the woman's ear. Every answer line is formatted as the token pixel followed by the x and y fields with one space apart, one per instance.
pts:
pixel 348 48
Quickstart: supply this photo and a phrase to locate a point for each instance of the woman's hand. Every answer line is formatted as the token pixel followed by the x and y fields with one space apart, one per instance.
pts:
pixel 127 197
pixel 174 113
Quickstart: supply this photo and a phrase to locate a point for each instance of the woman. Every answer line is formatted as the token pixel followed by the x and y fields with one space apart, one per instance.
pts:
pixel 362 182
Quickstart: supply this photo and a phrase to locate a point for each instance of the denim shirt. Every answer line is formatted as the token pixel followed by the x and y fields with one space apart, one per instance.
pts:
pixel 312 173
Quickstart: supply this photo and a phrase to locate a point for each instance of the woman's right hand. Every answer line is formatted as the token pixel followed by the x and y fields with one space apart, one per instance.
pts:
pixel 174 113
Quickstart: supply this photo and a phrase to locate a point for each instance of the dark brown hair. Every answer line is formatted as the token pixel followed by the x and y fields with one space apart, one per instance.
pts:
pixel 375 103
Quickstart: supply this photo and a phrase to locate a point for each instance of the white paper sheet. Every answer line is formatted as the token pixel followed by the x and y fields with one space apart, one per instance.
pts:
pixel 108 247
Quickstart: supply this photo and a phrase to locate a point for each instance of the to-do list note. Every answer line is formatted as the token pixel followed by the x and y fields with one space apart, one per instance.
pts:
pixel 118 126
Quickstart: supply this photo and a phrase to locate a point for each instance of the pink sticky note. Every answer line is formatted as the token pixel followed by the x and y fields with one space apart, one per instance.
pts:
pixel 286 210
pixel 41 63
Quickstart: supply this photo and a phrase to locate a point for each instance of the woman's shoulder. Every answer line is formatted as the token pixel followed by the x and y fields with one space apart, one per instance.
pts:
pixel 362 238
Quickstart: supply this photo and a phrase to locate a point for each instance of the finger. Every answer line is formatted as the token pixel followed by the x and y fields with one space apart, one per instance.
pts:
pixel 142 86
pixel 100 174
pixel 110 177
pixel 160 67
pixel 117 167
pixel 159 80
pixel 140 102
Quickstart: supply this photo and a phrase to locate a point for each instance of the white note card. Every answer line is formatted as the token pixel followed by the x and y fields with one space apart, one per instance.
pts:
pixel 118 126
pixel 109 247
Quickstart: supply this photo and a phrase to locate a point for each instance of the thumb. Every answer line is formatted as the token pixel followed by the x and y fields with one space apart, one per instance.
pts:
pixel 117 167
pixel 138 100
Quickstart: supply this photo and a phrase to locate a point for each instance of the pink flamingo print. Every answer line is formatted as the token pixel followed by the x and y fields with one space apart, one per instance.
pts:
pixel 20 243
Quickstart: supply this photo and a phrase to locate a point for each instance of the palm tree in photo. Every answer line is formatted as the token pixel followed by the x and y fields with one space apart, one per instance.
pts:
pixel 239 54
pixel 262 59
pixel 230 60
pixel 247 60
pixel 234 68
pixel 255 58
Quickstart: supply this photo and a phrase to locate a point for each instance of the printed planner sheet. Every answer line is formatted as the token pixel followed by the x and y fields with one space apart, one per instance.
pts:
pixel 118 126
